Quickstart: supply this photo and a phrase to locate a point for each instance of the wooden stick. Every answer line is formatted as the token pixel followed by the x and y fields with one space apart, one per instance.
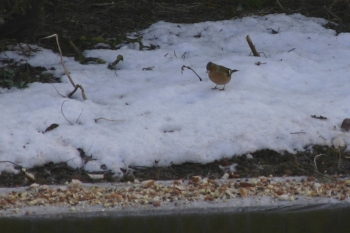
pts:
pixel 183 67
pixel 252 47
pixel 66 70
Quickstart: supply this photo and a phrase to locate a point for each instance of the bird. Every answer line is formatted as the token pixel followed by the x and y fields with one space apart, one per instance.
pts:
pixel 219 75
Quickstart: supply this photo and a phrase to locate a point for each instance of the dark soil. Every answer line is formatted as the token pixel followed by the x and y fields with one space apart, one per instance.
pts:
pixel 321 162
pixel 84 23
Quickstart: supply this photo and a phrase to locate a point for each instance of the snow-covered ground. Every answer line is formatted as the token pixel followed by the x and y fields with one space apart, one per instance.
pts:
pixel 167 116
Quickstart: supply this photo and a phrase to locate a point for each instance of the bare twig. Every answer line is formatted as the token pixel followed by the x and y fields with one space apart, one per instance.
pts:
pixel 339 155
pixel 102 118
pixel 12 163
pixel 148 68
pixel 79 115
pixel 280 5
pixel 104 4
pixel 63 113
pixel 58 92
pixel 183 67
pixel 75 89
pixel 331 13
pixel 112 66
pixel 273 31
pixel 69 160
pixel 252 47
pixel 66 70
pixel 51 127
pixel 315 161
pixel 319 117
pixel 301 132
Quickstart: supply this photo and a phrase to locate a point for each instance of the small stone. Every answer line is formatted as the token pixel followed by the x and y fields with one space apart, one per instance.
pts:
pixel 204 181
pixel 345 125
pixel 243 192
pixel 196 179
pixel 75 183
pixel 254 181
pixel 225 176
pixel 96 176
pixel 29 175
pixel 225 162
pixel 264 180
pixel 34 186
pixel 147 183
pixel 180 187
pixel 245 185
pixel 284 197
pixel 338 143
pixel 279 192
pixel 317 185
pixel 156 204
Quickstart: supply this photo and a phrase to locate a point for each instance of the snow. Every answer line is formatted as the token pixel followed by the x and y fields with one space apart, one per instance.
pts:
pixel 165 116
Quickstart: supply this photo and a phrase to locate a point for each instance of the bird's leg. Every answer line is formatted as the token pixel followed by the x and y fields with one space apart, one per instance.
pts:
pixel 222 89
pixel 215 87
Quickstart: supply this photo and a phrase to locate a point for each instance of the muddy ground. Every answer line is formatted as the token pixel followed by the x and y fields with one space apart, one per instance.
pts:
pixel 318 162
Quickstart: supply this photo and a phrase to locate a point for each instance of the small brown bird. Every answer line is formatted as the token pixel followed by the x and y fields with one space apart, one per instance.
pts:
pixel 219 75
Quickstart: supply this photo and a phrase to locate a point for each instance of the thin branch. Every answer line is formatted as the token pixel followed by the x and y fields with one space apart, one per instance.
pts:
pixel 102 118
pixel 183 67
pixel 72 92
pixel 63 113
pixel 62 61
pixel 319 117
pixel 65 68
pixel 58 92
pixel 69 160
pixel 300 132
pixel 104 4
pixel 280 5
pixel 252 47
pixel 333 14
pixel 315 161
pixel 12 163
pixel 79 115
